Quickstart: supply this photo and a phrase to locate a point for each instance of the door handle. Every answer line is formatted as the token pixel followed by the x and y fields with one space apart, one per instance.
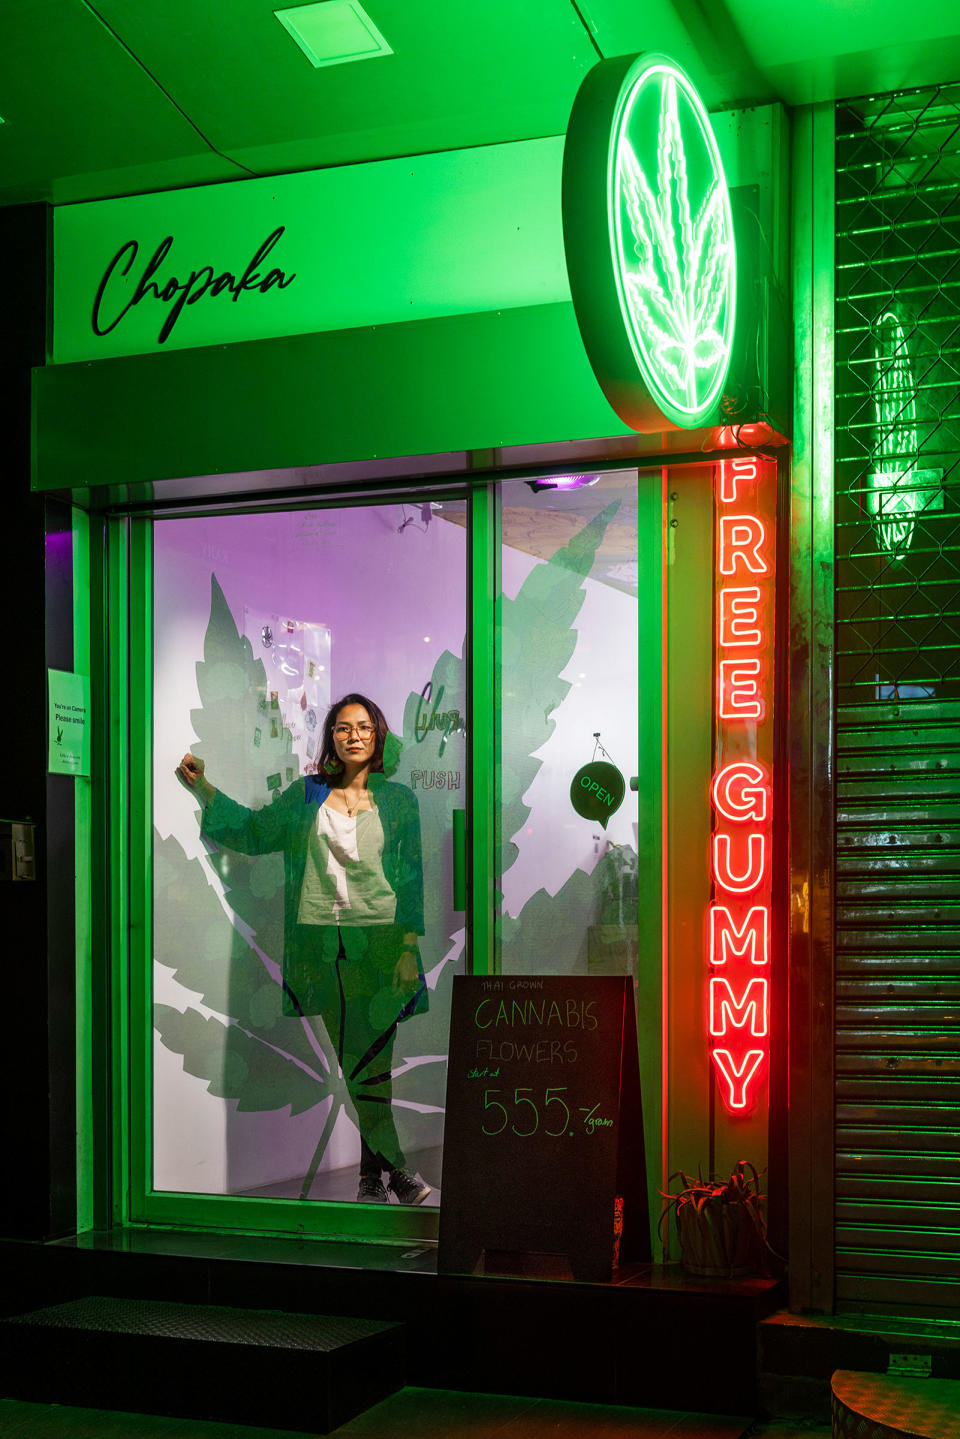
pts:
pixel 459 859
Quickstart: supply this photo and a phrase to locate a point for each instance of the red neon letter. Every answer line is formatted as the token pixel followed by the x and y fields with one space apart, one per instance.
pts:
pixel 730 472
pixel 740 911
pixel 739 614
pixel 739 792
pixel 756 858
pixel 737 1078
pixel 740 696
pixel 750 938
pixel 740 539
pixel 728 1012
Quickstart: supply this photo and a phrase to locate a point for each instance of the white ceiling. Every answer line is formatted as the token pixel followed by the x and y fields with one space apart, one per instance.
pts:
pixel 111 97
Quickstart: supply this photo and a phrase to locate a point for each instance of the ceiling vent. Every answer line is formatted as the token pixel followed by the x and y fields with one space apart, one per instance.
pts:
pixel 334 32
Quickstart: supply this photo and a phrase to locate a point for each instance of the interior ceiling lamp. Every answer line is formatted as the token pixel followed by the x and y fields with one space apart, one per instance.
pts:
pixel 333 32
pixel 562 482
pixel 649 242
pixel 897 490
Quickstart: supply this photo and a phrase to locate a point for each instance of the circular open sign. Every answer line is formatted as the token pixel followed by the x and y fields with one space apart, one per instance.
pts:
pixel 597 791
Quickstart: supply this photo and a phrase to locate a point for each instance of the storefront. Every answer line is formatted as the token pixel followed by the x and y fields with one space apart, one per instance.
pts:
pixel 306 459
pixel 373 426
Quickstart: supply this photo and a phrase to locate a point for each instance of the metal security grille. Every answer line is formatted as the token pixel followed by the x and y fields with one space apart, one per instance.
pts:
pixel 897 449
pixel 898 396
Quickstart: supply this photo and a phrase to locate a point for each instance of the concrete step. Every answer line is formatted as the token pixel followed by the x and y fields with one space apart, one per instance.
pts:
pixel 879 1406
pixel 798 1353
pixel 514 1334
pixel 249 1366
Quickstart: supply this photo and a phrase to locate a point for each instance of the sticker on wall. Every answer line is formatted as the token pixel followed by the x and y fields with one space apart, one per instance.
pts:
pixel 649 242
pixel 68 723
pixel 296 655
pixel 597 790
pixel 430 716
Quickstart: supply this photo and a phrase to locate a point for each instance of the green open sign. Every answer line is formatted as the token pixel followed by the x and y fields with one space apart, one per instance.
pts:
pixel 597 791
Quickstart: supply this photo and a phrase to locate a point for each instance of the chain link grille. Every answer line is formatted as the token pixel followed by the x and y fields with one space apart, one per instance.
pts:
pixel 897 889
pixel 898 396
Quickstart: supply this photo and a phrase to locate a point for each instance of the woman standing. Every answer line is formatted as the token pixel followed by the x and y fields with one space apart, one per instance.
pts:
pixel 353 911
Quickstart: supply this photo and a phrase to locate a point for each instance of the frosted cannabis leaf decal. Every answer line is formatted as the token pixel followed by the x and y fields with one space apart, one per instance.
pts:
pixel 225 952
pixel 675 246
pixel 539 639
pixel 218 917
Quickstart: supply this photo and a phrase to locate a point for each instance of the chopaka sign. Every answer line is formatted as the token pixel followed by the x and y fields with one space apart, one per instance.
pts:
pixel 121 287
pixel 741 793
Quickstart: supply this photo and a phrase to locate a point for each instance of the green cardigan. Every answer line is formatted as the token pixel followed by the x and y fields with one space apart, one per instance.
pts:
pixel 285 826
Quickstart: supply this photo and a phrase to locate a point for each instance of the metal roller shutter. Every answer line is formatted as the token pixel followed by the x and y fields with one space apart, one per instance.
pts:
pixel 898 1004
pixel 898 713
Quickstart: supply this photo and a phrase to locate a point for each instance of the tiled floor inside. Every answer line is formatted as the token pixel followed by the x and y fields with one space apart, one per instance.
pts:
pixel 416 1414
pixel 341 1184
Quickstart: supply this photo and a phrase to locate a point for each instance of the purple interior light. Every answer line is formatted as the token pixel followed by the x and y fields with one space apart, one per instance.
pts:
pixel 570 482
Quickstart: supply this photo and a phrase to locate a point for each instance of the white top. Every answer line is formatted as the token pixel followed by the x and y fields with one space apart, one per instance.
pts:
pixel 344 882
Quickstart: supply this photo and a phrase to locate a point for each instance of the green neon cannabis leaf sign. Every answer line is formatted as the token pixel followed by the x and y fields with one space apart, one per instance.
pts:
pixel 675 264
pixel 649 240
pixel 899 490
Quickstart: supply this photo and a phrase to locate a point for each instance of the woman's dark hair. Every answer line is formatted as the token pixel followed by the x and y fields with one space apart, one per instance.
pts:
pixel 328 761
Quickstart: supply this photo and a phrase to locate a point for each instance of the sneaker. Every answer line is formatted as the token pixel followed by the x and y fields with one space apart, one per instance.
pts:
pixel 407 1189
pixel 371 1190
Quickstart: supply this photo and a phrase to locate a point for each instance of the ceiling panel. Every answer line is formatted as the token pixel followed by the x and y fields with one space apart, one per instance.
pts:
pixel 466 73
pixel 898 66
pixel 700 37
pixel 112 97
pixel 789 32
pixel 74 101
pixel 812 50
pixel 198 166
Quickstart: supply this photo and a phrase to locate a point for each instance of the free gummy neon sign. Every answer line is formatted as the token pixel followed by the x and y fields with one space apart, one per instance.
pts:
pixel 738 931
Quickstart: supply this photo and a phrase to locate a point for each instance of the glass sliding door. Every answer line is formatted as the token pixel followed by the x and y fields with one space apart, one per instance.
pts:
pixel 302 955
pixel 581 885
pixel 569 696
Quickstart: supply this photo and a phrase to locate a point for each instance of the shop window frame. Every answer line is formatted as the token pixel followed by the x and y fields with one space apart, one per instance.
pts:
pixel 123 583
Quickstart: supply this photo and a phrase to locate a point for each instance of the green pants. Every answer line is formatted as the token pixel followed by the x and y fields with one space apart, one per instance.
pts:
pixel 346 975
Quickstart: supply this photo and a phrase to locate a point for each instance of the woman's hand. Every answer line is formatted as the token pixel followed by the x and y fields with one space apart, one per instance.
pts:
pixel 406 974
pixel 190 773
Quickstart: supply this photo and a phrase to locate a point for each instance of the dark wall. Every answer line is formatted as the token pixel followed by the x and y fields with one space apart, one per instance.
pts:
pixel 37 1124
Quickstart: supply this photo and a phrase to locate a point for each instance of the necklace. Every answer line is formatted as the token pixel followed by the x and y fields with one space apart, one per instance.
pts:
pixel 356 806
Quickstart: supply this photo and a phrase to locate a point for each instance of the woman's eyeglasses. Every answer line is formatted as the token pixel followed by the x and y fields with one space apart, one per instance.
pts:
pixel 344 731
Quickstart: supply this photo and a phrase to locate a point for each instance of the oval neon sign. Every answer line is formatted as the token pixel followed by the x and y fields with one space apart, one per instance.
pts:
pixel 649 241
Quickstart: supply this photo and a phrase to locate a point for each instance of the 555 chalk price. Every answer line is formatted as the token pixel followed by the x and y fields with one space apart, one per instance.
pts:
pixel 548 1113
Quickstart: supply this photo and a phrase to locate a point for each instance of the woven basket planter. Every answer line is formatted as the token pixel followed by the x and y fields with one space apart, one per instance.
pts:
pixel 720 1225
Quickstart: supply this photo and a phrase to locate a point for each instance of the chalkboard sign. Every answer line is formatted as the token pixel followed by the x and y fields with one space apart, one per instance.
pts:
pixel 543 1138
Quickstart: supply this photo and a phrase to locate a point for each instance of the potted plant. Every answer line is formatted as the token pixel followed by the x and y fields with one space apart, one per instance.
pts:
pixel 720 1224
